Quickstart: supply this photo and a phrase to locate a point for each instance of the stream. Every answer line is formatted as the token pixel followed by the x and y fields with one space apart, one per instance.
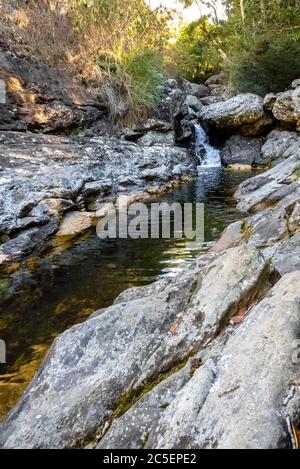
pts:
pixel 46 295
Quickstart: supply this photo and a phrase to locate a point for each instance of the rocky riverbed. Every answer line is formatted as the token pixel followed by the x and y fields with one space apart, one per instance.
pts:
pixel 207 359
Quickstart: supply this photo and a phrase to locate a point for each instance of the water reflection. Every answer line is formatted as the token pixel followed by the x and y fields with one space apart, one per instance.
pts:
pixel 48 295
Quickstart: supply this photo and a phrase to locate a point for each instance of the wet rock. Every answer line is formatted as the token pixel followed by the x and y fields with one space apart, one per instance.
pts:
pixel 83 378
pixel 244 112
pixel 241 150
pixel 285 255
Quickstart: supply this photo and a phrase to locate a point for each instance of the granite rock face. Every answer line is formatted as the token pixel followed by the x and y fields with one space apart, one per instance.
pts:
pixel 92 366
pixel 244 112
pixel 242 151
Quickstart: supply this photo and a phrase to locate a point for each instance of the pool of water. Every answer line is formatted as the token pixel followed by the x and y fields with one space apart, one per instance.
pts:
pixel 55 291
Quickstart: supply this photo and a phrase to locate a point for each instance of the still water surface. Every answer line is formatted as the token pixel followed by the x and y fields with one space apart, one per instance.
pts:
pixel 52 293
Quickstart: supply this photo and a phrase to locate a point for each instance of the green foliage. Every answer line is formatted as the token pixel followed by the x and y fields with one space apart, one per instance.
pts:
pixel 263 44
pixel 267 64
pixel 132 84
pixel 198 51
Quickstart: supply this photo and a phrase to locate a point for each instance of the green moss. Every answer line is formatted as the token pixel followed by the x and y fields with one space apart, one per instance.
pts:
pixel 194 286
pixel 4 291
pixel 296 174
pixel 247 229
pixel 129 398
pixel 164 405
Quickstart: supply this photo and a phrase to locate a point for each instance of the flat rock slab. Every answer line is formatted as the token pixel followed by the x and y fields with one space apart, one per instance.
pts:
pixel 91 366
pixel 74 224
pixel 239 398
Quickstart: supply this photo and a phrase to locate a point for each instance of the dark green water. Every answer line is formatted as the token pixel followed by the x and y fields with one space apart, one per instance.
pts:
pixel 52 293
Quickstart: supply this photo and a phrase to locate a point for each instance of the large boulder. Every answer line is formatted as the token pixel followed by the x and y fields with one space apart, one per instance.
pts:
pixel 241 150
pixel 244 112
pixel 94 369
pixel 279 145
pixel 267 189
pixel 287 108
pixel 233 395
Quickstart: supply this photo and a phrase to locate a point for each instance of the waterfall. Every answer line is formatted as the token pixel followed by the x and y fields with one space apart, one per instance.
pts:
pixel 207 155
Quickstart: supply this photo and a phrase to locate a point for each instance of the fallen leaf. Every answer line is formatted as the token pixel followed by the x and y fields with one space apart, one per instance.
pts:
pixel 174 328
pixel 238 318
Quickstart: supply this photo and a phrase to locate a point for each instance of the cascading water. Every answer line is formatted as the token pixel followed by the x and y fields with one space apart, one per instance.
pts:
pixel 207 155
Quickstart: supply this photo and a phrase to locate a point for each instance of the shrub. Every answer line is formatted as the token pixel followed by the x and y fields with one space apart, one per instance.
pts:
pixel 266 64
pixel 131 85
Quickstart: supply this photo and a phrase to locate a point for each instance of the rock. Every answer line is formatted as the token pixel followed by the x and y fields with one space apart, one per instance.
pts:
pixel 267 227
pixel 270 187
pixel 151 125
pixel 244 112
pixel 279 145
pixel 231 237
pixel 199 91
pixel 75 223
pixel 295 84
pixel 211 100
pixel 191 104
pixel 157 138
pixel 43 98
pixel 217 90
pixel 285 255
pixel 287 108
pixel 166 108
pixel 294 219
pixel 69 172
pixel 270 101
pixel 162 173
pixel 241 150
pixel 227 400
pixel 83 381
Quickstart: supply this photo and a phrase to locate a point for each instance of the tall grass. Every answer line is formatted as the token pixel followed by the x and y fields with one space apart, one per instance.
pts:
pixel 114 45
pixel 132 85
